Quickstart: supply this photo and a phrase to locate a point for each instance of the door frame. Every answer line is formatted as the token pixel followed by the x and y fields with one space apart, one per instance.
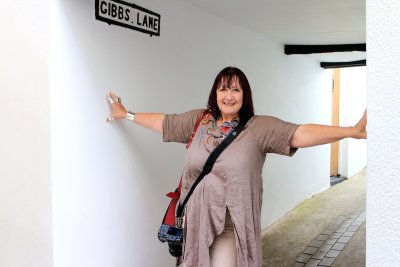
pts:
pixel 334 165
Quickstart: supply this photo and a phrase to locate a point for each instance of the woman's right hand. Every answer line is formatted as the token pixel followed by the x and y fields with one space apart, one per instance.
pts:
pixel 118 110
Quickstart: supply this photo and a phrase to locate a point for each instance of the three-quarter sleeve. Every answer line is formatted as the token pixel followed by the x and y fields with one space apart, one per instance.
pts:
pixel 179 127
pixel 274 135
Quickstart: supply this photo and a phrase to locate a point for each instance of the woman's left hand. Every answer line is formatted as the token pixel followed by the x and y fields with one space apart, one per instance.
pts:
pixel 360 129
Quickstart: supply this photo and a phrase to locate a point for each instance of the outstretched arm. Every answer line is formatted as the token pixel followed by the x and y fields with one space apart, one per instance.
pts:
pixel 152 121
pixel 308 135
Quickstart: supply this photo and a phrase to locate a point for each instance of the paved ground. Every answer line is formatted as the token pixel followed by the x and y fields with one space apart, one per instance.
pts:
pixel 325 230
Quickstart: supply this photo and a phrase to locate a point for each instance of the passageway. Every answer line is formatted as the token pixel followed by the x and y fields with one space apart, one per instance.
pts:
pixel 325 230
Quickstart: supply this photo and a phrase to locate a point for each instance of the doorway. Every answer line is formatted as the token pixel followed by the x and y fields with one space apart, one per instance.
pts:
pixel 334 170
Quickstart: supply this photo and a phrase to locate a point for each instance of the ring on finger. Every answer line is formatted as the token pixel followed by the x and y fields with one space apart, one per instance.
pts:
pixel 110 100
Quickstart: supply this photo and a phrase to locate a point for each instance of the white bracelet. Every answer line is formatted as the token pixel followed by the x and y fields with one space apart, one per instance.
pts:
pixel 130 116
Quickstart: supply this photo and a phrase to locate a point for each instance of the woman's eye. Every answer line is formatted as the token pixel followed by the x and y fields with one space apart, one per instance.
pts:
pixel 236 90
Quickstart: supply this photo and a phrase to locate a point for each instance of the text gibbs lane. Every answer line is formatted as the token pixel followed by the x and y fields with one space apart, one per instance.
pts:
pixel 129 15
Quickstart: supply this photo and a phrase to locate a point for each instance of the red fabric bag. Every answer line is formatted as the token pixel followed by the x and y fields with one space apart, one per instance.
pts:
pixel 170 214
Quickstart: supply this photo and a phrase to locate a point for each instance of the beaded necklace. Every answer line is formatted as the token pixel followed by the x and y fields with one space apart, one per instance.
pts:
pixel 220 132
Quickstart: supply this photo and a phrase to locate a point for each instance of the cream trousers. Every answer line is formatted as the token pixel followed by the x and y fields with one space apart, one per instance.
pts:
pixel 223 249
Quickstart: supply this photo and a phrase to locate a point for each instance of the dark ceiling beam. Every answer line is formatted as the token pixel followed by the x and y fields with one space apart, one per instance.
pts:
pixel 333 65
pixel 313 49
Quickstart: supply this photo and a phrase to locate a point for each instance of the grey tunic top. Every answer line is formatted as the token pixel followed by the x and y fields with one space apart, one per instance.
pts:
pixel 235 182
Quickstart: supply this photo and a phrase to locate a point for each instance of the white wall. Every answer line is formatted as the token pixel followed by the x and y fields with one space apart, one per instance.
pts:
pixel 353 101
pixel 383 187
pixel 109 180
pixel 25 193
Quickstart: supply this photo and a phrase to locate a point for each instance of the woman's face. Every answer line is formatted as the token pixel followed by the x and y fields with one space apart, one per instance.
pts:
pixel 229 99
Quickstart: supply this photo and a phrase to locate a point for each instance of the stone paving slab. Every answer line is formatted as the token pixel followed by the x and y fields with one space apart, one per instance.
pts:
pixel 319 255
pixel 326 261
pixel 338 246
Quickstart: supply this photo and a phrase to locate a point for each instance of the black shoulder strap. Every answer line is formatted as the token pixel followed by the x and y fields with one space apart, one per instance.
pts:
pixel 210 162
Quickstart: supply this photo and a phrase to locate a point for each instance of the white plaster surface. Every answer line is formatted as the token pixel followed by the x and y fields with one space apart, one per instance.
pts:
pixel 383 186
pixel 25 188
pixel 353 101
pixel 109 180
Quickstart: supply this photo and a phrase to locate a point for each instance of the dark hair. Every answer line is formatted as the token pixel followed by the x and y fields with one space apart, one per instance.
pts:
pixel 228 76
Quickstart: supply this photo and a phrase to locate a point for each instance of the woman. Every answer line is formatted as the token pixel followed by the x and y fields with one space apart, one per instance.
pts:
pixel 223 226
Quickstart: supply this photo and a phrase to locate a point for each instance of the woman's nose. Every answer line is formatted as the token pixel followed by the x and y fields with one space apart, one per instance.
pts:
pixel 229 94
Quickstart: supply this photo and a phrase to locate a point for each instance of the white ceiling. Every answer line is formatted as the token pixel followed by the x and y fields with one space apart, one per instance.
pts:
pixel 298 21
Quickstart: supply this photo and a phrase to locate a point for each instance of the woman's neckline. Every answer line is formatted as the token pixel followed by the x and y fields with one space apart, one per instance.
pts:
pixel 220 122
